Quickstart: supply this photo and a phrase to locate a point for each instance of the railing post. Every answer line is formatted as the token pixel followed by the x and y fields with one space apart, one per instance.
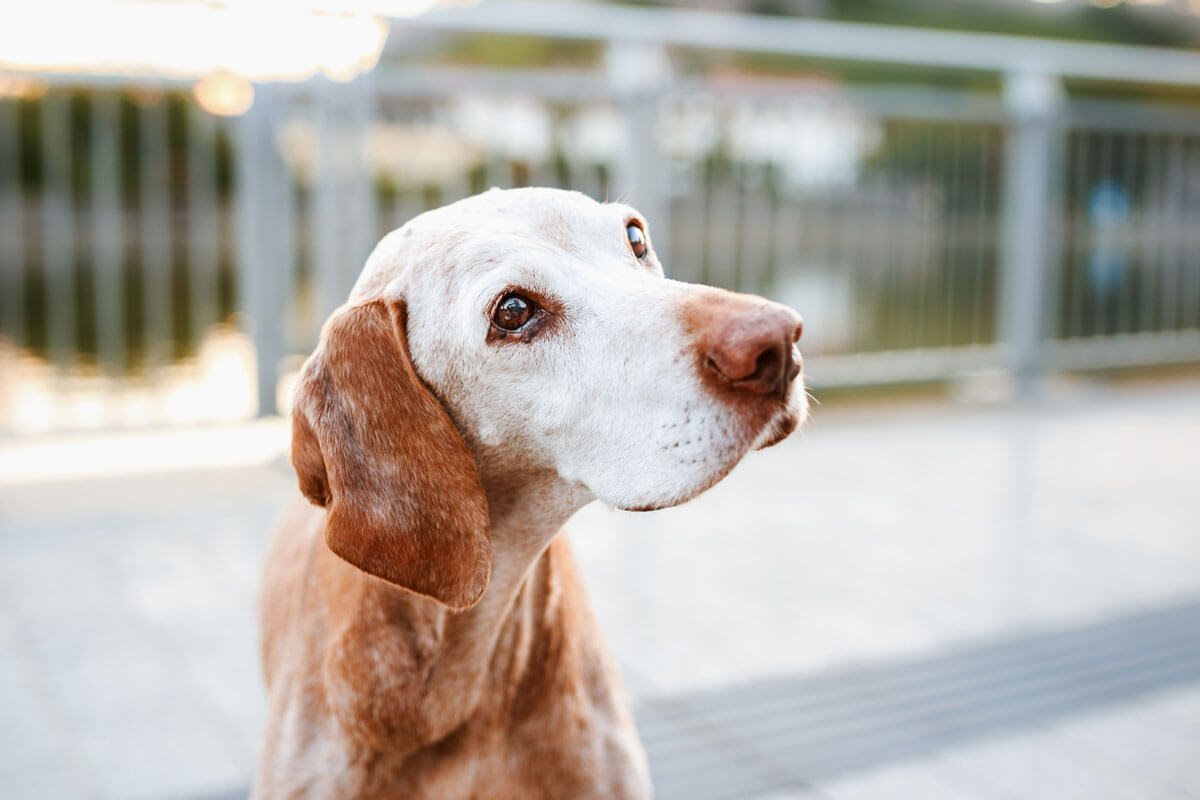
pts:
pixel 638 72
pixel 1033 101
pixel 263 248
pixel 344 217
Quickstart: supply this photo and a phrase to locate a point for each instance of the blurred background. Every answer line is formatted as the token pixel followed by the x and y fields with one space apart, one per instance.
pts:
pixel 976 574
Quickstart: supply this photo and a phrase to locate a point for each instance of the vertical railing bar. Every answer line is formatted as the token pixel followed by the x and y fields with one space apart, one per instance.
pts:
pixel 1033 101
pixel 730 231
pixel 286 240
pixel 724 234
pixel 776 197
pixel 825 232
pixel 1162 188
pixel 1050 285
pixel 12 224
pixel 713 187
pixel 637 73
pixel 907 244
pixel 768 205
pixel 1145 261
pixel 286 212
pixel 952 234
pixel 108 224
pixel 250 188
pixel 855 244
pixel 367 114
pixel 262 256
pixel 707 182
pixel 1100 324
pixel 1080 235
pixel 762 216
pixel 687 254
pixel 328 180
pixel 1190 295
pixel 737 232
pixel 886 253
pixel 1173 258
pixel 203 228
pixel 1123 245
pixel 925 247
pixel 58 230
pixel 936 236
pixel 297 314
pixel 866 287
pixel 365 110
pixel 898 244
pixel 879 251
pixel 385 183
pixel 791 230
pixel 154 211
pixel 1068 252
pixel 981 238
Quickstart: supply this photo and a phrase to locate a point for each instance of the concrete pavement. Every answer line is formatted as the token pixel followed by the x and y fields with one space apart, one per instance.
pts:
pixel 927 600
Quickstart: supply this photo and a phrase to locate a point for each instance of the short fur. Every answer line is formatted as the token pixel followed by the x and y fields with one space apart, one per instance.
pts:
pixel 425 633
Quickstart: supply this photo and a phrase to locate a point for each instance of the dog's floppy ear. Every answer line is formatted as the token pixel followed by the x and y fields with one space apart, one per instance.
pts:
pixel 373 446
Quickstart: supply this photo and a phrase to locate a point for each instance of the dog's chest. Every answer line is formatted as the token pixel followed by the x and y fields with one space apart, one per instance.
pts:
pixel 535 758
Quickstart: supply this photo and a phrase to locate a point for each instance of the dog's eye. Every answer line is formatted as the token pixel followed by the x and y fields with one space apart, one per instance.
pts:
pixel 512 312
pixel 637 239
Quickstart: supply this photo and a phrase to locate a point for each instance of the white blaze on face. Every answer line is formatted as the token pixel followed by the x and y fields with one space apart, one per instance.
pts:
pixel 608 393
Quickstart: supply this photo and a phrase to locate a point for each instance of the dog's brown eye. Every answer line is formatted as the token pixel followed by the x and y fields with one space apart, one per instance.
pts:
pixel 512 312
pixel 637 239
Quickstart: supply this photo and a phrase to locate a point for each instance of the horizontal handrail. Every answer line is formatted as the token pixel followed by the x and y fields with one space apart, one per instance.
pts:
pixel 817 38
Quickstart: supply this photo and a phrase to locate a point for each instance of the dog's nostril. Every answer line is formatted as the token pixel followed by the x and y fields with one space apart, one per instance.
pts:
pixel 768 366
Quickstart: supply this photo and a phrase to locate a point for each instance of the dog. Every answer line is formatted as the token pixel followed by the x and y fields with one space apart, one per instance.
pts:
pixel 501 362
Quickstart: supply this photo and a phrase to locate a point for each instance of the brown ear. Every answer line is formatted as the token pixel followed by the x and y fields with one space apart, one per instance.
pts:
pixel 373 446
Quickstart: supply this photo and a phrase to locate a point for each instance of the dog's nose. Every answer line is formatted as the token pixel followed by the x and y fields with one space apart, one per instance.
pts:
pixel 751 350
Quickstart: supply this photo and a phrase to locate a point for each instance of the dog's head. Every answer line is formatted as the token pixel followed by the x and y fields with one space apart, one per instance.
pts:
pixel 533 328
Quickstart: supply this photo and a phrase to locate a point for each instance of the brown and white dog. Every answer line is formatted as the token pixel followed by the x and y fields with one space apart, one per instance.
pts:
pixel 501 362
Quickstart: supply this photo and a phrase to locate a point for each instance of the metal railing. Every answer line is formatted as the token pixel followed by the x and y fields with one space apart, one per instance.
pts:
pixel 148 248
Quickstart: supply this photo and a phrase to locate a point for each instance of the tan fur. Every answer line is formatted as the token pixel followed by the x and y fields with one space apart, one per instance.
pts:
pixel 400 697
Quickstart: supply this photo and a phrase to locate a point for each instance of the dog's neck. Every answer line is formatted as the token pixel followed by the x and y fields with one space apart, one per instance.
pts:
pixel 526 512
pixel 457 663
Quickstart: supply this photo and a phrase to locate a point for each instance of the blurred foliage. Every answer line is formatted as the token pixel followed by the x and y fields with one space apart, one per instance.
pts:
pixel 176 105
pixel 1119 24
pixel 32 175
pixel 519 51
